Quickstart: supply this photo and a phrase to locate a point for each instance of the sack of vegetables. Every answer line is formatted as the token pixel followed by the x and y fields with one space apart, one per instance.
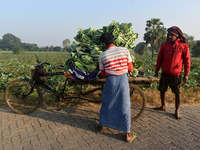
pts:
pixel 85 49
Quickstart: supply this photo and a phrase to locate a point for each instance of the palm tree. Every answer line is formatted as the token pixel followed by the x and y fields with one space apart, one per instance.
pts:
pixel 51 48
pixel 154 30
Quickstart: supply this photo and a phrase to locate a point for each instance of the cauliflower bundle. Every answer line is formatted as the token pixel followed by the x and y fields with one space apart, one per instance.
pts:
pixel 86 48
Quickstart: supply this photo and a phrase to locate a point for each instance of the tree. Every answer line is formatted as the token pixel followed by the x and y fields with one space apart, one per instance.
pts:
pixel 10 41
pixel 154 31
pixel 66 44
pixel 47 48
pixel 196 49
pixel 57 49
pixel 141 48
pixel 159 42
pixel 51 48
pixel 18 50
pixel 42 49
pixel 0 43
pixel 30 47
pixel 190 40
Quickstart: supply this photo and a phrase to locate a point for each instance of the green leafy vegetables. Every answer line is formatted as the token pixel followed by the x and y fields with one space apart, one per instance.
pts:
pixel 86 48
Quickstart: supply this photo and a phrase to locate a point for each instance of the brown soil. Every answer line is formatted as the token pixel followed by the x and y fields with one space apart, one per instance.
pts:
pixel 2 103
pixel 189 97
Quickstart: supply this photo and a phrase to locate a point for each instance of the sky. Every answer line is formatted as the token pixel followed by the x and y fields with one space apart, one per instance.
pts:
pixel 50 22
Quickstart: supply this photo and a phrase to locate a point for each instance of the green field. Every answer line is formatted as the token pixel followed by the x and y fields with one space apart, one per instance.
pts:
pixel 149 65
pixel 13 66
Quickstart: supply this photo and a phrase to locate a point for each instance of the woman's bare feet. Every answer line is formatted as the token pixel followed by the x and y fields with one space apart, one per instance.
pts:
pixel 162 108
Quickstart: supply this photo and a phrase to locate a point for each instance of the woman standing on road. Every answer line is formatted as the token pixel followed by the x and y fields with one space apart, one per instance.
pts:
pixel 115 63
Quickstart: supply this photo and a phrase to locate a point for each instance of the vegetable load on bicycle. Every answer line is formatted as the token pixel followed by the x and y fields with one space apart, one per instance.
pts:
pixel 85 50
pixel 82 63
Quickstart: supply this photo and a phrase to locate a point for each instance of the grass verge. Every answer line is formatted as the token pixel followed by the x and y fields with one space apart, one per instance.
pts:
pixel 190 97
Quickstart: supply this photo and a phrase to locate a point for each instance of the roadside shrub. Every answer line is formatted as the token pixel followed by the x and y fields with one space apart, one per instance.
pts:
pixel 18 50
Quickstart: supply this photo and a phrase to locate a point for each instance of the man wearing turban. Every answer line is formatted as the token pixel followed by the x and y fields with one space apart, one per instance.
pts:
pixel 174 53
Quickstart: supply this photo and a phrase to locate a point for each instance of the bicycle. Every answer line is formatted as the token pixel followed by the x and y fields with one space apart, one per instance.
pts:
pixel 23 96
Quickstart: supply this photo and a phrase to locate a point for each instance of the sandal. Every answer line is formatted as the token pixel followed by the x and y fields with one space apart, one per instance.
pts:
pixel 97 129
pixel 134 136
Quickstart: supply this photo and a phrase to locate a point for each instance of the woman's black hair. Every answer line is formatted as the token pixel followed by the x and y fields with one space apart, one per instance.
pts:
pixel 106 38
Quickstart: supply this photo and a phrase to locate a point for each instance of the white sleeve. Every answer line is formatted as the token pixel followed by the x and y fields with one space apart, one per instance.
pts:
pixel 129 57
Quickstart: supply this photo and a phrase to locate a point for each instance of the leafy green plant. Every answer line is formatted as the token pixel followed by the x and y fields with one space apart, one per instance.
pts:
pixel 85 50
pixel 18 50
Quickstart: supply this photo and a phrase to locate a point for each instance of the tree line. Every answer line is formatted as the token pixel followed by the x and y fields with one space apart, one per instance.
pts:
pixel 12 43
pixel 156 34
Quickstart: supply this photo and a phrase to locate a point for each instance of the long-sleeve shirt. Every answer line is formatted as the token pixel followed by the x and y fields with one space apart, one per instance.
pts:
pixel 172 57
pixel 115 61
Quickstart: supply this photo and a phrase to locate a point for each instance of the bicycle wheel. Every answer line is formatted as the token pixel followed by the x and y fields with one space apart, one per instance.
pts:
pixel 138 102
pixel 93 94
pixel 21 97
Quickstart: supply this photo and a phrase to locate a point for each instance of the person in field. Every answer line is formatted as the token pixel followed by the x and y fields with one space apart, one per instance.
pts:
pixel 174 53
pixel 114 64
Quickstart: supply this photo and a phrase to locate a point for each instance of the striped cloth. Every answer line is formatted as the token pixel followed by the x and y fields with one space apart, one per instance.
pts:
pixel 114 60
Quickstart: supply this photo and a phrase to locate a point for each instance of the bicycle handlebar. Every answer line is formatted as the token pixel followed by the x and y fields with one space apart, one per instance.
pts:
pixel 41 64
pixel 60 67
pixel 45 63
